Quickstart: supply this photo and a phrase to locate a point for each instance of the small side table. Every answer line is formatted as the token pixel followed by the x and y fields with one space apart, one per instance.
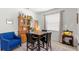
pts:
pixel 70 39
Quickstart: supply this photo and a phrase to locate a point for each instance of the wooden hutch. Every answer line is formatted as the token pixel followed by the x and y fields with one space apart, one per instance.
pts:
pixel 23 26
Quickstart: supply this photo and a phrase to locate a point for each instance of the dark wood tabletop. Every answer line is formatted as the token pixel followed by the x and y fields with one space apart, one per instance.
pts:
pixel 40 33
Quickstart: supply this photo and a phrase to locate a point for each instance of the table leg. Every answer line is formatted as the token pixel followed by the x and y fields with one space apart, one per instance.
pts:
pixel 38 43
pixel 27 46
pixel 50 45
pixel 50 41
pixel 47 46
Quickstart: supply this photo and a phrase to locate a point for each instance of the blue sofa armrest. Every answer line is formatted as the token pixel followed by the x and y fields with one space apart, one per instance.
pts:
pixel 4 43
pixel 17 37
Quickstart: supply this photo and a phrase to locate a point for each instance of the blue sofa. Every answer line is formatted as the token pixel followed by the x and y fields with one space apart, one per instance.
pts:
pixel 9 41
pixel 0 43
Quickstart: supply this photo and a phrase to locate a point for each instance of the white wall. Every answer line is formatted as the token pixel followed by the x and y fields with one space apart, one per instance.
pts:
pixel 7 13
pixel 12 13
pixel 69 20
pixel 78 26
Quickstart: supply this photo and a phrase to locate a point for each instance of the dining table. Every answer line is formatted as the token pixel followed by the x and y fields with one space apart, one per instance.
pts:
pixel 39 35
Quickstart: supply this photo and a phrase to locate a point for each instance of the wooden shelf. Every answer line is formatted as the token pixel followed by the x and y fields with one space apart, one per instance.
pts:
pixel 24 22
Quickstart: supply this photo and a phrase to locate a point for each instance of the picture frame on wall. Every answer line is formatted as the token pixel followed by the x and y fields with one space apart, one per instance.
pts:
pixel 8 21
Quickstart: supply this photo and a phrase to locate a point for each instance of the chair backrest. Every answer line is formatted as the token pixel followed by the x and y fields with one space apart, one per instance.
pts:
pixel 44 30
pixel 31 37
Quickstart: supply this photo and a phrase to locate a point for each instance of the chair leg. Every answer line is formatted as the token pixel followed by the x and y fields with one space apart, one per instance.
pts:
pixel 47 46
pixel 43 44
pixel 32 46
pixel 27 47
pixel 50 46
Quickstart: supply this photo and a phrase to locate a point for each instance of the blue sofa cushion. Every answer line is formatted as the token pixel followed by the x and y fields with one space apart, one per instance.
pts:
pixel 14 42
pixel 8 35
pixel 0 40
pixel 0 43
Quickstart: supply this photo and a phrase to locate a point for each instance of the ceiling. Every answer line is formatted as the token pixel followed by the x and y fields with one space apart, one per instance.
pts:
pixel 40 9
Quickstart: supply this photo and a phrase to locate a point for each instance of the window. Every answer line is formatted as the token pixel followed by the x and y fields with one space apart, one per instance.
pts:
pixel 53 21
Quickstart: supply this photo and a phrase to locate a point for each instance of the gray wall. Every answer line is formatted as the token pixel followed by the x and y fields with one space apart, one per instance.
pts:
pixel 7 13
pixel 12 14
pixel 68 19
pixel 78 26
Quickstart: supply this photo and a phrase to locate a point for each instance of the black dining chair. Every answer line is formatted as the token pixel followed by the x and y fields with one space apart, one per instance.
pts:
pixel 31 42
pixel 44 40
